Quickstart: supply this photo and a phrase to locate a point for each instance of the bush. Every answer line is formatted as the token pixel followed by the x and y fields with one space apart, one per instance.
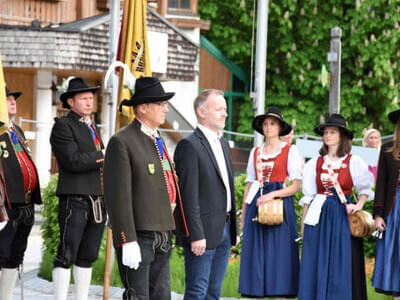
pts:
pixel 369 242
pixel 240 185
pixel 50 230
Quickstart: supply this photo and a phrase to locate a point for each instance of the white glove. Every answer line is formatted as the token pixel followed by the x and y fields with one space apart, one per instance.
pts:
pixel 3 224
pixel 131 256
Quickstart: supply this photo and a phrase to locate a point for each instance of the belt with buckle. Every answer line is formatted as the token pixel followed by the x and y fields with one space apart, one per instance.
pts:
pixel 228 217
pixel 28 195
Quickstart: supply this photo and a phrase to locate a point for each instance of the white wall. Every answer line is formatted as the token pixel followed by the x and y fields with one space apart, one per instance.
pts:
pixel 44 118
pixel 185 93
pixel 192 34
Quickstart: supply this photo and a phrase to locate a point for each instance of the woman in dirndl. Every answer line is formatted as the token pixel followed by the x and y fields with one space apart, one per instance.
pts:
pixel 270 258
pixel 386 277
pixel 332 262
pixel 372 139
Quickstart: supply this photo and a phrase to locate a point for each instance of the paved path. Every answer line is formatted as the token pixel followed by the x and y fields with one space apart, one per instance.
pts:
pixel 36 288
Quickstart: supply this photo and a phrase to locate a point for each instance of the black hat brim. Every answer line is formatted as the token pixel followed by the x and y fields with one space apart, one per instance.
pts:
pixel 15 94
pixel 320 129
pixel 147 99
pixel 258 121
pixel 394 116
pixel 69 94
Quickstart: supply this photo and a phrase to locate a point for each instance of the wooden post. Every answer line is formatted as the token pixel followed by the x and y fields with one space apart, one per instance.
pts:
pixel 163 7
pixel 108 265
pixel 335 59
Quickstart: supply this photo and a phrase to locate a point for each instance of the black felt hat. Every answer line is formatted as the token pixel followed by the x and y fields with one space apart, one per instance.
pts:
pixel 274 112
pixel 147 90
pixel 75 86
pixel 334 120
pixel 394 116
pixel 15 94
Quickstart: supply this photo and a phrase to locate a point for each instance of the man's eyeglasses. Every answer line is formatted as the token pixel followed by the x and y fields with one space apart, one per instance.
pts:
pixel 160 103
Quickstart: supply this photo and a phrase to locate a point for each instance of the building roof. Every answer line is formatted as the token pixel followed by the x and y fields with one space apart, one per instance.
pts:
pixel 84 45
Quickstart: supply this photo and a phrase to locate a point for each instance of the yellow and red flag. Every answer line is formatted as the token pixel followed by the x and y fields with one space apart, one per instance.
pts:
pixel 3 104
pixel 133 49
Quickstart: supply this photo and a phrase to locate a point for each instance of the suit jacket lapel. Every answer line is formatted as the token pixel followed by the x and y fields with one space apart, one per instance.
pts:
pixel 225 149
pixel 80 123
pixel 206 144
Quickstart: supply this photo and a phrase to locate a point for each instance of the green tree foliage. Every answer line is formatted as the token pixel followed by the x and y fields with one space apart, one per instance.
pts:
pixel 298 42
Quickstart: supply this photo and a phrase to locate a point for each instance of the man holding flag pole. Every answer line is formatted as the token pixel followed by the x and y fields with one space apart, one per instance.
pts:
pixel 131 32
pixel 142 196
pixel 141 191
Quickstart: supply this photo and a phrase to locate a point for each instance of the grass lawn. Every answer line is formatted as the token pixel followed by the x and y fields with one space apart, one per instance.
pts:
pixel 229 288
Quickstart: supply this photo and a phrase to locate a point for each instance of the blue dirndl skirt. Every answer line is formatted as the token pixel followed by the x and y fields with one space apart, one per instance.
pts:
pixel 269 261
pixel 326 264
pixel 386 277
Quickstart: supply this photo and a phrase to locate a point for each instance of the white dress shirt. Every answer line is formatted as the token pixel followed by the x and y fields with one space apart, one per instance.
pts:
pixel 216 147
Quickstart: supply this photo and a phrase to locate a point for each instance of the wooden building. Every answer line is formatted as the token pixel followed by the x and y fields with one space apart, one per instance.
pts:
pixel 38 53
pixel 44 41
pixel 23 12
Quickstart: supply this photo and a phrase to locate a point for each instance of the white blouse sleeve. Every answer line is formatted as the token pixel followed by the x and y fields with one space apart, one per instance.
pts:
pixel 251 172
pixel 363 180
pixel 309 183
pixel 295 164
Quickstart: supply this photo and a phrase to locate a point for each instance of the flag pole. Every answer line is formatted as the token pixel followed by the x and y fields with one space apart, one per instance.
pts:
pixel 133 56
pixel 261 62
pixel 114 34
pixel 113 98
pixel 3 106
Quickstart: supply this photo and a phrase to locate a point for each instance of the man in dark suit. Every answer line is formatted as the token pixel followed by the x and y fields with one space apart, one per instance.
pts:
pixel 22 192
pixel 77 146
pixel 204 168
pixel 142 196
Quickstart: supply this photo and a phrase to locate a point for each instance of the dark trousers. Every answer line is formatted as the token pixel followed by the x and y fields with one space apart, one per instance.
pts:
pixel 151 280
pixel 14 236
pixel 80 236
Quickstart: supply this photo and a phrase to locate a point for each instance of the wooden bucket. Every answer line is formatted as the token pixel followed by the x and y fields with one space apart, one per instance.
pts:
pixel 270 213
pixel 361 224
